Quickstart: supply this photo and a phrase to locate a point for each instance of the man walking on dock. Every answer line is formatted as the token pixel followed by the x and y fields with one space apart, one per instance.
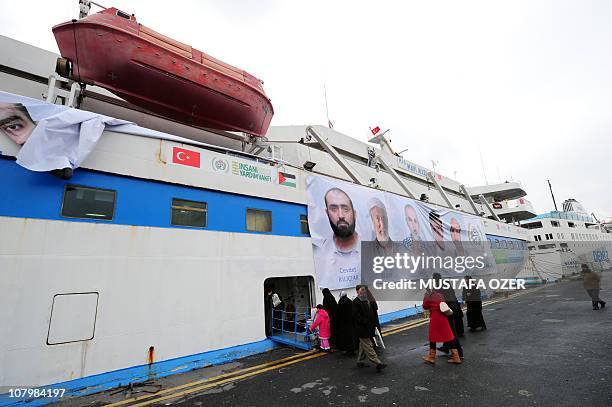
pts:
pixel 363 316
pixel 590 280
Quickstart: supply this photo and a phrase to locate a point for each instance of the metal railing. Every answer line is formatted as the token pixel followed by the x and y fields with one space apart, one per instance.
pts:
pixel 291 328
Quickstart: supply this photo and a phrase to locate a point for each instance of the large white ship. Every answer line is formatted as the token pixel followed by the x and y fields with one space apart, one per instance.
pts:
pixel 564 240
pixel 140 266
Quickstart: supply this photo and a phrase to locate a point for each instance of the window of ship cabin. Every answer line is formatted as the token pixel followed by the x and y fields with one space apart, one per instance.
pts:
pixel 304 225
pixel 189 213
pixel 258 220
pixel 547 246
pixel 531 247
pixel 533 225
pixel 554 223
pixel 563 244
pixel 88 203
pixel 571 224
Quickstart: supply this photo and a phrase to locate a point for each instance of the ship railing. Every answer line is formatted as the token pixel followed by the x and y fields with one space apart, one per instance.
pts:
pixel 292 327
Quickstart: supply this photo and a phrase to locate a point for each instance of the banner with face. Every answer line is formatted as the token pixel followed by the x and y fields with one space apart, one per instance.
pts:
pixel 342 215
pixel 50 136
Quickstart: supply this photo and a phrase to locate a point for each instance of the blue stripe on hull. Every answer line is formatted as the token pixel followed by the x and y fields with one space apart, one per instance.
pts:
pixel 29 194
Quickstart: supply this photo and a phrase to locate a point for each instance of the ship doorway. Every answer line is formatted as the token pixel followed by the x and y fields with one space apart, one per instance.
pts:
pixel 287 321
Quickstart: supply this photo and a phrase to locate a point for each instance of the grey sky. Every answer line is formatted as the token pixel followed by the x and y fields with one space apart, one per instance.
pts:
pixel 528 83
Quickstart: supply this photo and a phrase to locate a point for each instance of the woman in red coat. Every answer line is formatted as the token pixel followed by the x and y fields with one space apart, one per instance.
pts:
pixel 439 329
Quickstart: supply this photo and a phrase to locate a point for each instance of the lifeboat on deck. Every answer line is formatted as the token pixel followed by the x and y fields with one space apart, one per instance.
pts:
pixel 110 49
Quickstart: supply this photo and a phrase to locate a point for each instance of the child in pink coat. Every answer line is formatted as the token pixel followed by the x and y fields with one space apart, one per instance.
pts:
pixel 322 321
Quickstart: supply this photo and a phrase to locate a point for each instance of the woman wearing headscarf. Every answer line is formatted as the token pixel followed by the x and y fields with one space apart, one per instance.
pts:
pixel 279 306
pixel 455 321
pixel 439 328
pixel 331 306
pixel 473 298
pixel 345 331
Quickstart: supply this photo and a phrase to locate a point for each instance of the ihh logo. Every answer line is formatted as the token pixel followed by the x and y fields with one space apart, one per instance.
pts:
pixel 220 165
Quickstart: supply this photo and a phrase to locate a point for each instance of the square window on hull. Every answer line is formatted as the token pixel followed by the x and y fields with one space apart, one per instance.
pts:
pixel 189 213
pixel 88 203
pixel 258 220
pixel 304 225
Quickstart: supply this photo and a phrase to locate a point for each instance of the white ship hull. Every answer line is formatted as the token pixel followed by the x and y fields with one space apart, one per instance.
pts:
pixel 89 305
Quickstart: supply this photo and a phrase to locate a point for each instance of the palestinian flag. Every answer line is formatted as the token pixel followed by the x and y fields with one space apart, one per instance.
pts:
pixel 285 179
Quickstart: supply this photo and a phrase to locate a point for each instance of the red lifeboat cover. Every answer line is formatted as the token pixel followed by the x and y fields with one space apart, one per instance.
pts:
pixel 112 50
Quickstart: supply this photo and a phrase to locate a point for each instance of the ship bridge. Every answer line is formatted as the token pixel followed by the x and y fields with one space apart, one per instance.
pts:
pixel 506 200
pixel 498 192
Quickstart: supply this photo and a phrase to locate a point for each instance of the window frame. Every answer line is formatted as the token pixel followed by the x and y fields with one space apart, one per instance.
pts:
pixel 194 209
pixel 67 185
pixel 304 220
pixel 246 222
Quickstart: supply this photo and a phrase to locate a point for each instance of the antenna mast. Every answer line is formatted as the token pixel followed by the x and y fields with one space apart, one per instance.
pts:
pixel 553 195
pixel 329 123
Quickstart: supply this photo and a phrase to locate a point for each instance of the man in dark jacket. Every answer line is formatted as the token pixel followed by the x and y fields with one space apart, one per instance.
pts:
pixel 456 320
pixel 591 285
pixel 363 318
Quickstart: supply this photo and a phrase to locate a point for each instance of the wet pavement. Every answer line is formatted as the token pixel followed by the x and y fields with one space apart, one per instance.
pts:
pixel 546 347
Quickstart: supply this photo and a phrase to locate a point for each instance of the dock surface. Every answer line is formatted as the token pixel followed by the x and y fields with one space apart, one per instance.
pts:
pixel 543 347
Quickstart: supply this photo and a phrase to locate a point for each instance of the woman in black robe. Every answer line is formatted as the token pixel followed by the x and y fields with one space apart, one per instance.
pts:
pixel 331 306
pixel 346 339
pixel 473 298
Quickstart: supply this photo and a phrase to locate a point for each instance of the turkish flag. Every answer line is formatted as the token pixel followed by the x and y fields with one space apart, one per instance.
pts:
pixel 185 157
pixel 375 130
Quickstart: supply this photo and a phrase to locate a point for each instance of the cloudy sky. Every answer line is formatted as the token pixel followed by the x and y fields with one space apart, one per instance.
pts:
pixel 527 84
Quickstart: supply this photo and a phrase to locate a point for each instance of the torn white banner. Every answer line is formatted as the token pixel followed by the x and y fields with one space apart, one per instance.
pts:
pixel 62 137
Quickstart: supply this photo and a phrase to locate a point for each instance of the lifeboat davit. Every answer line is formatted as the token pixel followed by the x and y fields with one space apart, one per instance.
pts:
pixel 110 49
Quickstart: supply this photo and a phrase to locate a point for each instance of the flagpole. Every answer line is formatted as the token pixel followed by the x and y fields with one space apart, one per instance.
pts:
pixel 329 123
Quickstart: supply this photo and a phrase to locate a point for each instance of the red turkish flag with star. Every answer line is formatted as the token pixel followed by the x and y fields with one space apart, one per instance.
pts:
pixel 185 157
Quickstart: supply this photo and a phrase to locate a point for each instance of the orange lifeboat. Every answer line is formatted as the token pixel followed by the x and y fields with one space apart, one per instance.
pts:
pixel 112 50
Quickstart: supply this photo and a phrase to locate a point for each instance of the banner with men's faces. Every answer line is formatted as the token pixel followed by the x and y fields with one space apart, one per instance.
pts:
pixel 342 216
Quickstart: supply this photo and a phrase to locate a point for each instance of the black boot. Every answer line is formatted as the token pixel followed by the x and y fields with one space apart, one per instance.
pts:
pixel 603 304
pixel 380 367
pixel 595 305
